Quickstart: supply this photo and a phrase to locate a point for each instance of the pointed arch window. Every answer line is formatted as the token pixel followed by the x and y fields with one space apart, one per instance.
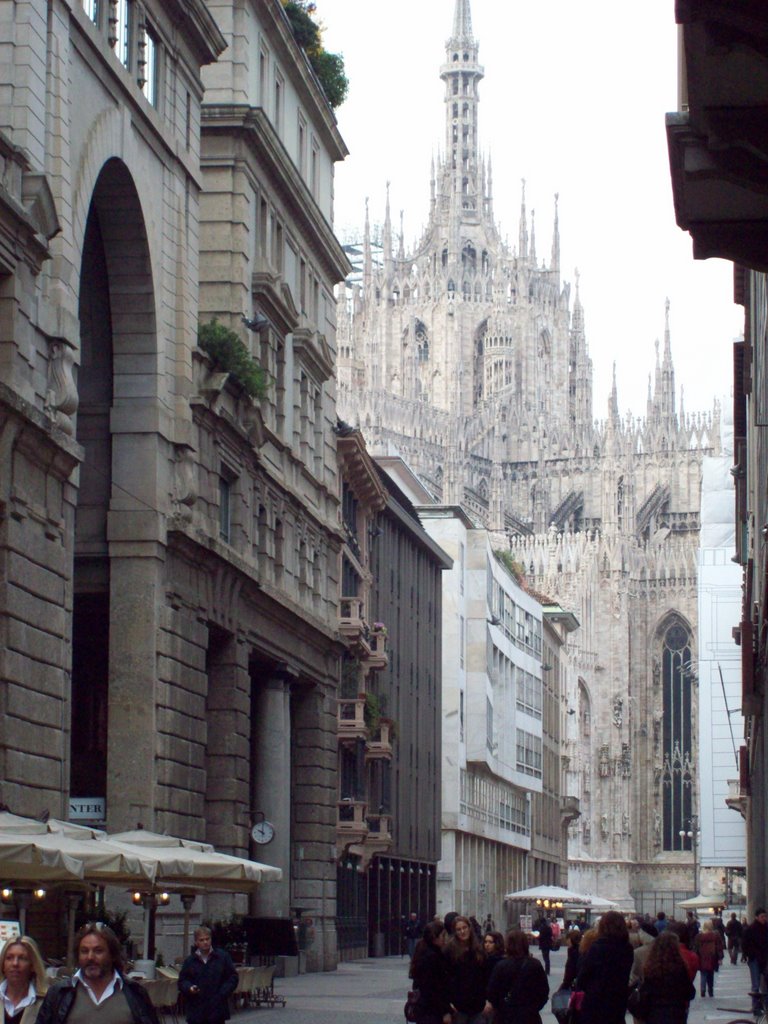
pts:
pixel 677 734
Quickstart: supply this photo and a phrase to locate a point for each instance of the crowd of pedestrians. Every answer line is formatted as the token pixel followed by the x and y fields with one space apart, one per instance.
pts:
pixel 652 968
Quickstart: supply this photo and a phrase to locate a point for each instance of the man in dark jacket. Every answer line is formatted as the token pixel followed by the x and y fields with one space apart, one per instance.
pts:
pixel 99 982
pixel 545 941
pixel 734 931
pixel 754 942
pixel 207 979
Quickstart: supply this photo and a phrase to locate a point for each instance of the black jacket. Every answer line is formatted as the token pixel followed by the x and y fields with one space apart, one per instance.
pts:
pixel 604 980
pixel 518 989
pixel 61 996
pixel 216 979
pixel 754 943
pixel 665 1001
pixel 430 976
pixel 467 983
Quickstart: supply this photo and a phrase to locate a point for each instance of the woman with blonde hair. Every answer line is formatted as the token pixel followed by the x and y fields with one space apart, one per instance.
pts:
pixel 23 980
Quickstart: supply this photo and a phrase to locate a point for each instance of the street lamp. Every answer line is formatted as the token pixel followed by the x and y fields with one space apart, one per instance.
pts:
pixel 691 832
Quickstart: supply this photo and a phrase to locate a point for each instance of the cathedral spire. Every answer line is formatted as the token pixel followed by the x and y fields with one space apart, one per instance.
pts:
pixel 367 258
pixel 555 261
pixel 522 249
pixel 533 238
pixel 387 239
pixel 462 20
pixel 401 241
pixel 462 73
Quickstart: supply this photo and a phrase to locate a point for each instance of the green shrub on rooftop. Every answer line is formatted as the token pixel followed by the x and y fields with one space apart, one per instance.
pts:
pixel 229 353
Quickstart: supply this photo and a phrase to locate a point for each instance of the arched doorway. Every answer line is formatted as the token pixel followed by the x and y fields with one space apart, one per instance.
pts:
pixel 118 361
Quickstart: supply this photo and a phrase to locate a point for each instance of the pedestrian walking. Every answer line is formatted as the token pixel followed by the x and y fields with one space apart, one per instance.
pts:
pixel 466 972
pixel 429 973
pixel 665 991
pixel 709 947
pixel 518 987
pixel 493 948
pixel 754 945
pixel 604 973
pixel 545 941
pixel 489 925
pixel 680 929
pixel 733 933
pixel 571 958
pixel 207 979
pixel 412 932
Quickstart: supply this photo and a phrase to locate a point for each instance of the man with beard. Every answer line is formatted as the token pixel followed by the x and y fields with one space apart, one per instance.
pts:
pixel 98 983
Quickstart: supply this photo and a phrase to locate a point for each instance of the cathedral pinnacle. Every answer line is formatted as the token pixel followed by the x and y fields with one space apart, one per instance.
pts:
pixel 522 249
pixel 462 21
pixel 555 261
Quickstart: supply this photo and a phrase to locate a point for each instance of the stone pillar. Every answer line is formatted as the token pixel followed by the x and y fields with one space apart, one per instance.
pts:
pixel 135 593
pixel 227 710
pixel 226 754
pixel 314 805
pixel 271 788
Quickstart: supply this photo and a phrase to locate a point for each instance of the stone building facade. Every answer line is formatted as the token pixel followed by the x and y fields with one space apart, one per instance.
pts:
pixel 170 548
pixel 719 186
pixel 470 357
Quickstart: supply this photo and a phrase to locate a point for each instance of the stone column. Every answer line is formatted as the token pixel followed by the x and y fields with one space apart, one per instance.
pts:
pixel 227 710
pixel 271 787
pixel 135 594
pixel 314 791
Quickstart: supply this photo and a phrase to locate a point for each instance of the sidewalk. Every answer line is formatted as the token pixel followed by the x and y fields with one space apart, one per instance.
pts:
pixel 373 992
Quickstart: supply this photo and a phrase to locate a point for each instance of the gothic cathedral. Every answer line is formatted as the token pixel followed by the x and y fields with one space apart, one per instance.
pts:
pixel 470 359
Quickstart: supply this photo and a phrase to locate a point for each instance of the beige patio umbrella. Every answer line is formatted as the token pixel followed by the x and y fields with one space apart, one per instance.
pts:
pixel 191 866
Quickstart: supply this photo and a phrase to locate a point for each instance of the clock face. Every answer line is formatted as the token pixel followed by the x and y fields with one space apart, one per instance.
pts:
pixel 262 832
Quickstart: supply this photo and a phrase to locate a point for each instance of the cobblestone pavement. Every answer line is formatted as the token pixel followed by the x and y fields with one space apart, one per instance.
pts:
pixel 373 992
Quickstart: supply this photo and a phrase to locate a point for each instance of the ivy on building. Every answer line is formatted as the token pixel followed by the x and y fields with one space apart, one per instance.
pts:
pixel 329 67
pixel 229 353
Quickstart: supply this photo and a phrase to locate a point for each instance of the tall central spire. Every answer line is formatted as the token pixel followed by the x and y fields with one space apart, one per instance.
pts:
pixel 461 74
pixel 462 20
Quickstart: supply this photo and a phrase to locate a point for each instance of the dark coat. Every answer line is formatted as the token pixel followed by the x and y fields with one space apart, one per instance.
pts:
pixel 467 983
pixel 754 943
pixel 709 947
pixel 60 997
pixel 571 967
pixel 216 979
pixel 604 979
pixel 667 999
pixel 429 975
pixel 545 934
pixel 518 989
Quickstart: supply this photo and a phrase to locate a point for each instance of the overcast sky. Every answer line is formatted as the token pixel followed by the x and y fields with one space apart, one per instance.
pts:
pixel 573 100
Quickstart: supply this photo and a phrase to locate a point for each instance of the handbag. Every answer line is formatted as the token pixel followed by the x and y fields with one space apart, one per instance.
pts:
pixel 575 1001
pixel 637 1003
pixel 561 997
pixel 409 1010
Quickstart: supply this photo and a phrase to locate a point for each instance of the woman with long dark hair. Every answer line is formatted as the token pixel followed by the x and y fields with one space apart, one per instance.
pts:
pixel 518 987
pixel 429 973
pixel 604 973
pixel 467 973
pixel 666 988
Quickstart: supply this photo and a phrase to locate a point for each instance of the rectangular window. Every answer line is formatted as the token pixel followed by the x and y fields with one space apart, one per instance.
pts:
pixel 91 8
pixel 461 641
pixel 302 147
pixel 488 724
pixel 226 491
pixel 148 73
pixel 314 171
pixel 528 754
pixel 278 103
pixel 263 69
pixel 123 31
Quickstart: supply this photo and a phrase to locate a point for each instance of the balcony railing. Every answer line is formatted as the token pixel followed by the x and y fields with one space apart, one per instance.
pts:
pixel 380 826
pixel 351 718
pixel 377 641
pixel 351 823
pixel 380 743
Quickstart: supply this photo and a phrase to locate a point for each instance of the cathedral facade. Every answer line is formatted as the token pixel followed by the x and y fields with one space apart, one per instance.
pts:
pixel 470 358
